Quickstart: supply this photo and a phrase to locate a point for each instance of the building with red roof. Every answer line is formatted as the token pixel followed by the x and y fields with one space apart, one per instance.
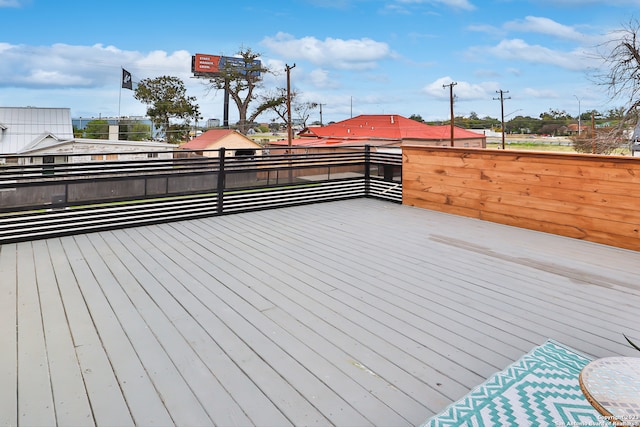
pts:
pixel 380 130
pixel 236 144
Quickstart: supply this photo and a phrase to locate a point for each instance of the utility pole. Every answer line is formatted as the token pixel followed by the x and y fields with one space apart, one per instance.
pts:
pixel 450 86
pixel 502 98
pixel 593 133
pixel 289 129
pixel 579 116
pixel 321 113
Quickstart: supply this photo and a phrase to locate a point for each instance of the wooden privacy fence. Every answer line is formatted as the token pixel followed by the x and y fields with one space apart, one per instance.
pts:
pixel 589 197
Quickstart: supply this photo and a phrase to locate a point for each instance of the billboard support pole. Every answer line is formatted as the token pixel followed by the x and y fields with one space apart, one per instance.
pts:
pixel 225 112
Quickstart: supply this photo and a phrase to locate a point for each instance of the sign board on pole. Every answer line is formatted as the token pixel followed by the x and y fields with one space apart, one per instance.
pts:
pixel 210 65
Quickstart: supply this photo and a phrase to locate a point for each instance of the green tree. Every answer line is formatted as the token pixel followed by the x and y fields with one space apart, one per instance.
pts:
pixel 97 129
pixel 168 101
pixel 240 79
pixel 133 130
pixel 417 118
pixel 556 115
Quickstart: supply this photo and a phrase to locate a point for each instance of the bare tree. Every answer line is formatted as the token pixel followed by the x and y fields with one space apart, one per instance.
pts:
pixel 276 101
pixel 599 141
pixel 241 78
pixel 620 56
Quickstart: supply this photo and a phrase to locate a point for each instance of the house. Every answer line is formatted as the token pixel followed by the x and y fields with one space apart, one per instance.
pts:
pixel 574 129
pixel 384 130
pixel 236 143
pixel 51 149
pixel 32 135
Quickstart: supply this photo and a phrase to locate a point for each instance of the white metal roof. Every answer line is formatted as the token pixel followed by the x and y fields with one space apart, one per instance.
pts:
pixel 22 125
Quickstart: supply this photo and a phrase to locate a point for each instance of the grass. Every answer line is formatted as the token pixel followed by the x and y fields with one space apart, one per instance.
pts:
pixel 534 146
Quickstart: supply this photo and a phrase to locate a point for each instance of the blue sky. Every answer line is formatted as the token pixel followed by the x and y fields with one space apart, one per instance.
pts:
pixel 352 56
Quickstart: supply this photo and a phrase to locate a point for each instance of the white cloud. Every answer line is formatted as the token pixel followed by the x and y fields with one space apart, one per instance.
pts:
pixel 455 4
pixel 546 26
pixel 585 3
pixel 487 29
pixel 514 71
pixel 355 54
pixel 41 77
pixel 520 51
pixel 12 3
pixel 462 90
pixel 321 78
pixel 63 65
pixel 541 93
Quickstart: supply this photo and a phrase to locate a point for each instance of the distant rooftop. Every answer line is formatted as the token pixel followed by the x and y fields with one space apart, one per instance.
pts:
pixel 21 126
pixel 386 126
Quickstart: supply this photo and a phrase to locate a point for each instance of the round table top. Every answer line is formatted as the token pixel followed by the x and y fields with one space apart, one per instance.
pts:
pixel 612 386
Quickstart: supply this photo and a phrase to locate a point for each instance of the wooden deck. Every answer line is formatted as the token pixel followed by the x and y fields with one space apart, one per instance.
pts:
pixel 347 313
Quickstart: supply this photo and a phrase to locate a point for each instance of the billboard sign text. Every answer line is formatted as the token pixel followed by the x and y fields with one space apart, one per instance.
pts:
pixel 210 65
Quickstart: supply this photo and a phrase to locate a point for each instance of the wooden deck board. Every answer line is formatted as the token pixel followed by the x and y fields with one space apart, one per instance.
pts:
pixel 8 338
pixel 67 386
pixel 35 404
pixel 356 312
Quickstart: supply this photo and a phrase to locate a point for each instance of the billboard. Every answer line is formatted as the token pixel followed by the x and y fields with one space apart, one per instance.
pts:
pixel 203 65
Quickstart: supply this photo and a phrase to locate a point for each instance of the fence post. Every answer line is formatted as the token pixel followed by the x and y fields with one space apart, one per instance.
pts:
pixel 221 181
pixel 367 169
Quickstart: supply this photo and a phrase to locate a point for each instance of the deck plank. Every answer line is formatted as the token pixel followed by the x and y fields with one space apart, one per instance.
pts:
pixel 304 292
pixel 35 404
pixel 296 345
pixel 103 391
pixel 177 343
pixel 253 379
pixel 138 402
pixel 141 344
pixel 8 337
pixel 356 312
pixel 71 405
pixel 262 334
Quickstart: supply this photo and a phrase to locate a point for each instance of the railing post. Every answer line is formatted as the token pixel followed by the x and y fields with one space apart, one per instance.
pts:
pixel 221 181
pixel 367 169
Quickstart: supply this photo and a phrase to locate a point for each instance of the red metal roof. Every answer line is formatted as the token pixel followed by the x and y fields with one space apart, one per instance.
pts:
pixel 333 142
pixel 385 126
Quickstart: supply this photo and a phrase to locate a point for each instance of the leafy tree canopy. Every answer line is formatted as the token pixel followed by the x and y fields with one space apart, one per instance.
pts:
pixel 167 100
pixel 97 129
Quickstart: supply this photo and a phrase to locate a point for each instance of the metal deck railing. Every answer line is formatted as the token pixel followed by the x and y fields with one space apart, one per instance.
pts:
pixel 47 200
